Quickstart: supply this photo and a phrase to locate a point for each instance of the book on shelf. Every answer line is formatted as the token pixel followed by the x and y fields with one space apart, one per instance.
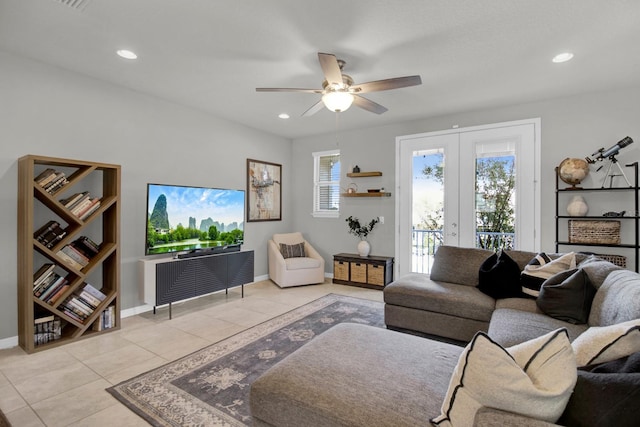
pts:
pixel 68 260
pixel 79 252
pixel 42 273
pixel 87 246
pixel 106 320
pixel 58 181
pixel 50 234
pixel 77 255
pixel 52 288
pixel 55 295
pixel 95 205
pixel 46 329
pixel 82 206
pixel 45 176
pixel 71 201
pixel 46 284
pixel 82 303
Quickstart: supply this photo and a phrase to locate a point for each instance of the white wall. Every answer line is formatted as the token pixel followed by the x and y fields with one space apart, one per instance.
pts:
pixel 48 111
pixel 571 127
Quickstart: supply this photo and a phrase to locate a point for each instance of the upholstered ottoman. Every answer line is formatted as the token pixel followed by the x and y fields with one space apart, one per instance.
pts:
pixel 356 375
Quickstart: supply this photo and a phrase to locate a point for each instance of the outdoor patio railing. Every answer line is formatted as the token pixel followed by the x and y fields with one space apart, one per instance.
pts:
pixel 425 243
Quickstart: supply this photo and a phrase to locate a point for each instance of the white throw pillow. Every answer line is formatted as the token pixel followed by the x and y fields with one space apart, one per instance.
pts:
pixel 534 379
pixel 600 344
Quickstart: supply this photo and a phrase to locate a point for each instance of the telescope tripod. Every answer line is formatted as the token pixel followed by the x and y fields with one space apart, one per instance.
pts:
pixel 611 175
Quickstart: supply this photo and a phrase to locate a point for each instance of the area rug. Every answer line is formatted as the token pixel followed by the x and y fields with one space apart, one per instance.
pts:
pixel 211 386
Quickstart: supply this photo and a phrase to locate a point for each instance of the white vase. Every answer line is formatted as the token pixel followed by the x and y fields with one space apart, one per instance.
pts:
pixel 364 248
pixel 577 206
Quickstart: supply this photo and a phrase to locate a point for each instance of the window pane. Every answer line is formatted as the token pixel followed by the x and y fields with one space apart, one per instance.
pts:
pixel 495 195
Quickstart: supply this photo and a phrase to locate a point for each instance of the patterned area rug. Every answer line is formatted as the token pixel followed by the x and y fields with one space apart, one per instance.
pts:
pixel 211 386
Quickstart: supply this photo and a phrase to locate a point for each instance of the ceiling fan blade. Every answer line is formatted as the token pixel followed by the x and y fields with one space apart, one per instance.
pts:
pixel 368 105
pixel 387 84
pixel 330 68
pixel 287 89
pixel 314 109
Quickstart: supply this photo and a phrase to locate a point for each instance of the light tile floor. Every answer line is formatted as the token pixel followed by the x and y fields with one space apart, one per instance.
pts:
pixel 65 386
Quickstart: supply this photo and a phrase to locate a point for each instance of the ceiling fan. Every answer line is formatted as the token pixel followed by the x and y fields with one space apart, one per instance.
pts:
pixel 339 92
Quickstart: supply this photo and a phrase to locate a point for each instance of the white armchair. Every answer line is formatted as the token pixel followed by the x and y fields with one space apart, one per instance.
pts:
pixel 295 270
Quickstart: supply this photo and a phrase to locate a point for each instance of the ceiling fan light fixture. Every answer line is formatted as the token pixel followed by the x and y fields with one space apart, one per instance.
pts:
pixel 337 101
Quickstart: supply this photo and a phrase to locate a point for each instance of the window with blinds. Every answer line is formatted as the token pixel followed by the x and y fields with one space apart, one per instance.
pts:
pixel 326 184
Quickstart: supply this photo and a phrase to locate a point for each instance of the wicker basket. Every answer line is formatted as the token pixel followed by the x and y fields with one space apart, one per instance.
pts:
pixel 619 260
pixel 594 231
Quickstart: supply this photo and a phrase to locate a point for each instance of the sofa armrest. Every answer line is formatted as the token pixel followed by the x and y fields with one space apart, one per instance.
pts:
pixel 489 417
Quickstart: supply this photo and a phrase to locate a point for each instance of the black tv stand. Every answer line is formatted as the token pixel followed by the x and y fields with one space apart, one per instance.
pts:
pixel 169 280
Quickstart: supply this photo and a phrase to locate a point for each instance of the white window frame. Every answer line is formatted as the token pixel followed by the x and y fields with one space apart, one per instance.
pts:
pixel 317 183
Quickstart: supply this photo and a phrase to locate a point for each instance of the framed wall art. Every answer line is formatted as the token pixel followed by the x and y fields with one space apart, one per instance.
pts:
pixel 264 191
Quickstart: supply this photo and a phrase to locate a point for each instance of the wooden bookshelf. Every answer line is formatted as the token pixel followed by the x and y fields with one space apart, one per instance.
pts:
pixel 37 206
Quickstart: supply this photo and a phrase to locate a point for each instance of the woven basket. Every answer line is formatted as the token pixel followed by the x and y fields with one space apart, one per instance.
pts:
pixel 594 231
pixel 619 260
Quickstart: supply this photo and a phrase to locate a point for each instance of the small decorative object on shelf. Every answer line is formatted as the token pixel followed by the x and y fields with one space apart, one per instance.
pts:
pixel 614 214
pixel 356 169
pixel 577 206
pixel 573 171
pixel 362 231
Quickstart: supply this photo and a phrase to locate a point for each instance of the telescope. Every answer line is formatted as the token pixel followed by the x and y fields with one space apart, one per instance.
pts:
pixel 610 152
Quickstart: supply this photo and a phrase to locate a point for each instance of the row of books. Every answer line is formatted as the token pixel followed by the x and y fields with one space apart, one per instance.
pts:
pixel 82 303
pixel 48 285
pixel 82 205
pixel 107 319
pixel 46 329
pixel 51 180
pixel 79 252
pixel 50 234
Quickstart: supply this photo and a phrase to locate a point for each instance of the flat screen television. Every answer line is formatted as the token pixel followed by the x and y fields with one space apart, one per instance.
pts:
pixel 182 218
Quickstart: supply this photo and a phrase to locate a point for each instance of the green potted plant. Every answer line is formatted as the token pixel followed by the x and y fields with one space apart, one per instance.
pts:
pixel 362 231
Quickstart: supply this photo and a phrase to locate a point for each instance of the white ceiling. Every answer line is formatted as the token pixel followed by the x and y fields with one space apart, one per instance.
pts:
pixel 212 54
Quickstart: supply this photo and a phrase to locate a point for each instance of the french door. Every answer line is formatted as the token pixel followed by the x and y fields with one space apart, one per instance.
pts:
pixel 458 187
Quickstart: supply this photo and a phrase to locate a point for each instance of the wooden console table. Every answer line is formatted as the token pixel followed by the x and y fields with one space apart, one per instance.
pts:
pixel 374 272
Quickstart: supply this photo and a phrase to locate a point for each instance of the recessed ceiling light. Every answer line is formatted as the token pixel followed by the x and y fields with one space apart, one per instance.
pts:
pixel 562 57
pixel 126 54
pixel 283 115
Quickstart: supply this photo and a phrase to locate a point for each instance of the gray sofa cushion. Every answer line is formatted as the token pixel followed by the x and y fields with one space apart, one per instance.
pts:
pixel 613 302
pixel 458 265
pixel 511 326
pixel 597 269
pixel 416 290
pixel 356 375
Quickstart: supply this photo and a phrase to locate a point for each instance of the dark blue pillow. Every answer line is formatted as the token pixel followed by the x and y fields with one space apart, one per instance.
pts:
pixel 499 277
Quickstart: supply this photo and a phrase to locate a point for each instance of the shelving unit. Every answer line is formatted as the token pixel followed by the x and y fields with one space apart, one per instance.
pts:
pixel 633 217
pixel 366 194
pixel 36 207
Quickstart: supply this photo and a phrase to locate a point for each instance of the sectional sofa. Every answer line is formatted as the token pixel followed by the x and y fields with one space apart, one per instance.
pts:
pixel 521 360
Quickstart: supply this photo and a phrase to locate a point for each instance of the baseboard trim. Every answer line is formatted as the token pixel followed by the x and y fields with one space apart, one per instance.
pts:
pixel 8 342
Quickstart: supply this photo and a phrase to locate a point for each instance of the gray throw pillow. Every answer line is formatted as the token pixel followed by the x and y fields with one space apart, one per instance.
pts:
pixel 567 296
pixel 292 251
